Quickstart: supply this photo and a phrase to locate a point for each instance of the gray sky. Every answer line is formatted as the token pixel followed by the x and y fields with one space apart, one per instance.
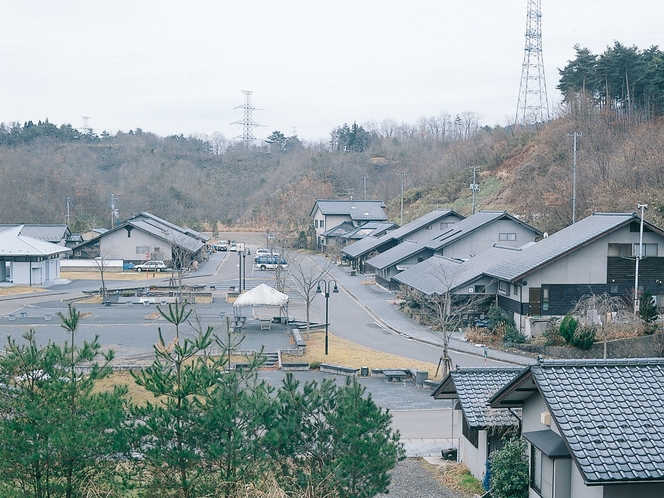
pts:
pixel 179 67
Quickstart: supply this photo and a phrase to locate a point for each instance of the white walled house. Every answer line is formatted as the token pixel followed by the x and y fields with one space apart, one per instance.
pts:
pixel 28 261
pixel 480 428
pixel 595 428
pixel 327 214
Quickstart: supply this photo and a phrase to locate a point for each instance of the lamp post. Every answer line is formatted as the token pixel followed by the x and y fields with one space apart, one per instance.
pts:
pixel 326 286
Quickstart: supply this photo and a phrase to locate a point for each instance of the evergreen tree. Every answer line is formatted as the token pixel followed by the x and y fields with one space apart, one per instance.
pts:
pixel 56 430
pixel 509 470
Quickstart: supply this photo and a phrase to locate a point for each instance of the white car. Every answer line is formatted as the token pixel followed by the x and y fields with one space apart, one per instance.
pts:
pixel 233 247
pixel 265 252
pixel 156 266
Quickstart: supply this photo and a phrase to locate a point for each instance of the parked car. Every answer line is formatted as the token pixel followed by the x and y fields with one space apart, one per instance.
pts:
pixel 222 245
pixel 269 262
pixel 265 252
pixel 152 266
pixel 233 247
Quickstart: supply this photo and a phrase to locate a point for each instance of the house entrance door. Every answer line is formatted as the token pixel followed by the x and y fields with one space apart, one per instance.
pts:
pixel 535 302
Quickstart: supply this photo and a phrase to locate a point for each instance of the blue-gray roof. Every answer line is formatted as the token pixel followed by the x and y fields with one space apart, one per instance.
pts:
pixel 439 274
pixel 369 229
pixel 365 247
pixel 357 210
pixel 559 244
pixel 473 387
pixel 610 414
pixel 456 232
pixel 398 253
pixel 46 232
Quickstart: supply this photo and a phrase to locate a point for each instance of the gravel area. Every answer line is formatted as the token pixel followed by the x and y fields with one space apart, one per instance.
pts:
pixel 411 480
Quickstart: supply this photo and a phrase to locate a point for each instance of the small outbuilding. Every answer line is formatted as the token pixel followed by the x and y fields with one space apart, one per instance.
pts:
pixel 28 261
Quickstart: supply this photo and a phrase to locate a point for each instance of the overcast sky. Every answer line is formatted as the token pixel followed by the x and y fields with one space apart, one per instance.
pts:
pixel 179 67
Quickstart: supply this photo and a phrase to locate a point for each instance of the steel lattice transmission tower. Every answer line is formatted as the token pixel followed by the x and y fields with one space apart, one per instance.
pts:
pixel 248 123
pixel 533 105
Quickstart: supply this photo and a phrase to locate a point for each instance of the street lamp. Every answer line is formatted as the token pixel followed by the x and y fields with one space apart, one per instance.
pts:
pixel 326 286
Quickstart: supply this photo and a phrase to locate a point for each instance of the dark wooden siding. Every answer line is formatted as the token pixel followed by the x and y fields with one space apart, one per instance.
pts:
pixel 622 271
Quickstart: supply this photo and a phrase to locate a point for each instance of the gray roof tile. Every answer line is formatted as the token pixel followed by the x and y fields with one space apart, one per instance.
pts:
pixel 357 210
pixel 610 413
pixel 473 387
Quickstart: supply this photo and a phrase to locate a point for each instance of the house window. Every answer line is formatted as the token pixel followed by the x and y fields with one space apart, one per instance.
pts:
pixel 479 289
pixel 504 288
pixel 322 223
pixel 649 250
pixel 472 435
pixel 445 225
pixel 545 299
pixel 516 290
pixel 506 236
pixel 142 250
pixel 535 469
pixel 316 223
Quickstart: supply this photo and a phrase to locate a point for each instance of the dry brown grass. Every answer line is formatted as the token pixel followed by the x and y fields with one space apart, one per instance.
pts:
pixel 455 476
pixel 19 289
pixel 125 275
pixel 348 354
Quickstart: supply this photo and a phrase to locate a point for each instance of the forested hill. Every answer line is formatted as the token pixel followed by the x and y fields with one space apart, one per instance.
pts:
pixel 202 181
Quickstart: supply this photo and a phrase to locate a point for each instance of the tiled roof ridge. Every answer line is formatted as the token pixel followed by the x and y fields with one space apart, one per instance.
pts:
pixel 487 369
pixel 600 362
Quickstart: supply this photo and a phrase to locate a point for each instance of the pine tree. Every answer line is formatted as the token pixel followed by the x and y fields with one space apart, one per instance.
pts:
pixel 56 430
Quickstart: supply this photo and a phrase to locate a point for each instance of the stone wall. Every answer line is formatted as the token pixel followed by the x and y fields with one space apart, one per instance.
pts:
pixel 650 346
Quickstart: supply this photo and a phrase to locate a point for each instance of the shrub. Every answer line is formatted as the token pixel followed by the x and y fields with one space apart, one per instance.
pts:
pixel 512 335
pixel 568 328
pixel 552 337
pixel 648 309
pixel 509 470
pixel 584 338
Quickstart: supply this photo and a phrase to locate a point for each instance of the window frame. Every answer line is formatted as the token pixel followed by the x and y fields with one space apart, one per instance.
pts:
pixel 507 236
pixel 536 468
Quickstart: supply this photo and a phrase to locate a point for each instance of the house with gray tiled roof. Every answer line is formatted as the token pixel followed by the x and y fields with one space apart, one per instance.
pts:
pixel 422 229
pixel 480 428
pixel 462 240
pixel 328 214
pixel 595 428
pixel 545 279
pixel 142 237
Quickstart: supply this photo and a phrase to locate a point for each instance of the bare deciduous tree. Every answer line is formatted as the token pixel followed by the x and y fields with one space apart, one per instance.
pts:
pixel 306 274
pixel 603 311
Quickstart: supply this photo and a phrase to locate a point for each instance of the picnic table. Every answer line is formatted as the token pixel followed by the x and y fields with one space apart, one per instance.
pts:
pixel 394 375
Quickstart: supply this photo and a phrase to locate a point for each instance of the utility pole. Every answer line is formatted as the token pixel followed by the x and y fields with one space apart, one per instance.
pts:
pixel 403 175
pixel 364 179
pixel 68 217
pixel 115 214
pixel 575 135
pixel 637 303
pixel 474 187
pixel 533 106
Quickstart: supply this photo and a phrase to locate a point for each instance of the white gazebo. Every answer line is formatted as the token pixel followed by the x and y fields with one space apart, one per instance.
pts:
pixel 264 298
pixel 28 261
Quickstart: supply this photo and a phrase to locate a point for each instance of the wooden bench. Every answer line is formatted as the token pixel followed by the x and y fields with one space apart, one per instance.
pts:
pixel 394 375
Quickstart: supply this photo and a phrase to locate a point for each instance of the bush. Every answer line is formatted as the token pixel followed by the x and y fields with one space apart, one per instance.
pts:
pixel 584 338
pixel 552 337
pixel 509 470
pixel 512 335
pixel 568 328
